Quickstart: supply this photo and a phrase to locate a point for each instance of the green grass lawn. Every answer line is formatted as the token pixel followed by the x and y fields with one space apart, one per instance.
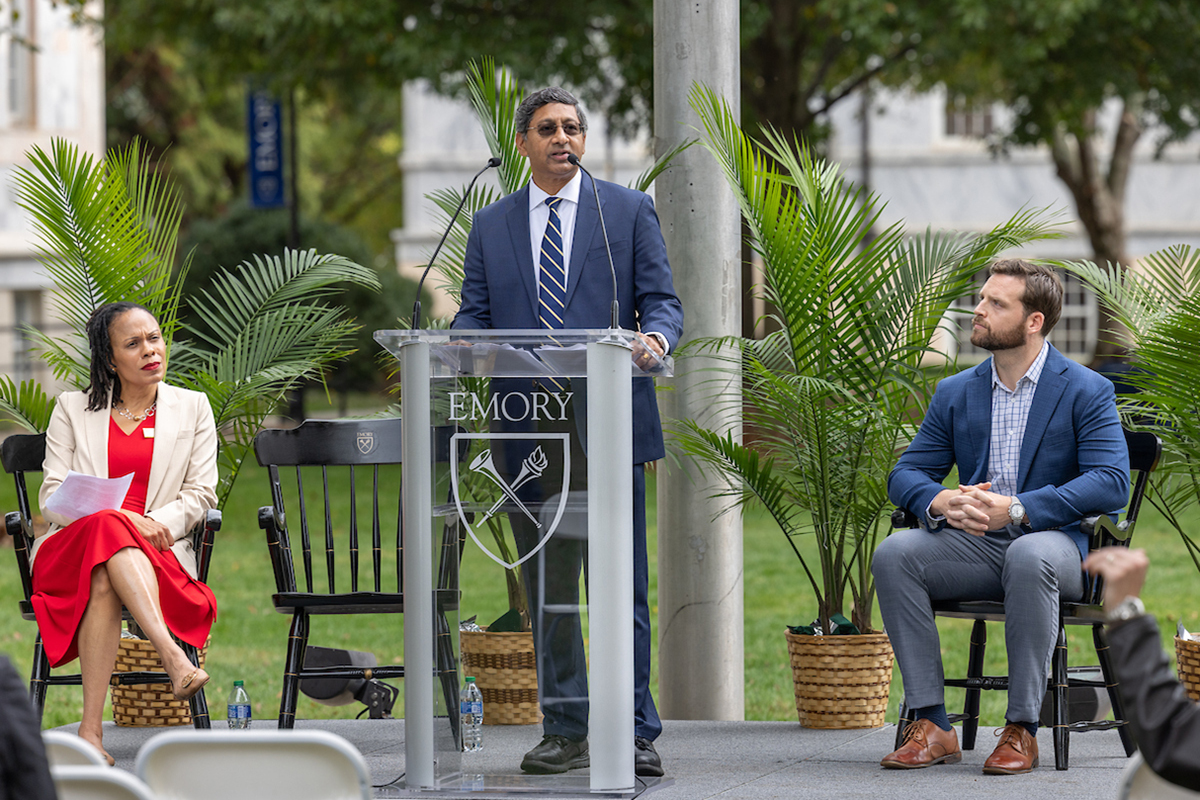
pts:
pixel 249 636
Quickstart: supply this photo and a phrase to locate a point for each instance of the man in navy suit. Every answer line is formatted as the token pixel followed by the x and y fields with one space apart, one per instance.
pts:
pixel 1038 445
pixel 506 285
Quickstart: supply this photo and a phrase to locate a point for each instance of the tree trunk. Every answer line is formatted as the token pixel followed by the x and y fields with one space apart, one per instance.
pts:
pixel 1099 196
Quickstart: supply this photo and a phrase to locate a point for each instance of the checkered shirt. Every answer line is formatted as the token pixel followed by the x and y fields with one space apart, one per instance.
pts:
pixel 1010 412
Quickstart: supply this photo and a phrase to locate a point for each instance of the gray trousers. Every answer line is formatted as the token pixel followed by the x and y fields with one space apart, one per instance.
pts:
pixel 1029 573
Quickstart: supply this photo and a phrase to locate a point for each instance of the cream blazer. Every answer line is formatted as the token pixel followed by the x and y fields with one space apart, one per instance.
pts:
pixel 183 471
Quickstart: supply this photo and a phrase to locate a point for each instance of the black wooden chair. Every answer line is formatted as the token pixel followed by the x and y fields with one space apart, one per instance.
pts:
pixel 329 549
pixel 1144 452
pixel 24 453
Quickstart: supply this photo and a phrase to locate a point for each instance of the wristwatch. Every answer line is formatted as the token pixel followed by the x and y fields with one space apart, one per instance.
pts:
pixel 1016 511
pixel 1125 610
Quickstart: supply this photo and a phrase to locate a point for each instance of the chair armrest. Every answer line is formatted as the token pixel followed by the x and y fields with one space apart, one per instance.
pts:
pixel 278 548
pixel 1102 531
pixel 203 538
pixel 12 523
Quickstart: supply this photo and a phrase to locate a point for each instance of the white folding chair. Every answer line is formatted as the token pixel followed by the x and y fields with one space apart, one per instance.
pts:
pixel 236 764
pixel 1139 782
pixel 68 750
pixel 91 782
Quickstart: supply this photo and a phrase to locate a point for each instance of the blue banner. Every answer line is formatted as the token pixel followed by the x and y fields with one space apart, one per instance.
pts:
pixel 264 129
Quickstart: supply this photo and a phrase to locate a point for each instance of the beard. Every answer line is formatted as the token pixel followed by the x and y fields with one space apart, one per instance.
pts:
pixel 992 341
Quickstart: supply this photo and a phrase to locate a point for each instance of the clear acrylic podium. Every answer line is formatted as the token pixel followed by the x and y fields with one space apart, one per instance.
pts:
pixel 503 389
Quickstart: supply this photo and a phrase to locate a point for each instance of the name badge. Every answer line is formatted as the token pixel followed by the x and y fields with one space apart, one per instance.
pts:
pixel 148 433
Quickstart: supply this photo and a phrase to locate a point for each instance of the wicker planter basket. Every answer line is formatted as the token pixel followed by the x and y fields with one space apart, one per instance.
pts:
pixel 505 670
pixel 148 705
pixel 1187 653
pixel 841 681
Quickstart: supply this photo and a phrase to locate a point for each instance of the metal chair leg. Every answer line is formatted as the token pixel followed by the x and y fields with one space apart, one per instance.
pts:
pixel 297 641
pixel 970 726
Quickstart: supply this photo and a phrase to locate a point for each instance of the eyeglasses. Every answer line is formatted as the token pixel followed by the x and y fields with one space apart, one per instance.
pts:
pixel 548 129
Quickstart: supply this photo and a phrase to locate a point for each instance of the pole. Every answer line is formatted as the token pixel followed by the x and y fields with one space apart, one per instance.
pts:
pixel 700 602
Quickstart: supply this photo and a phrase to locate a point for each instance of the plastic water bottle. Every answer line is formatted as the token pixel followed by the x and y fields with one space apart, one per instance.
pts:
pixel 470 708
pixel 239 707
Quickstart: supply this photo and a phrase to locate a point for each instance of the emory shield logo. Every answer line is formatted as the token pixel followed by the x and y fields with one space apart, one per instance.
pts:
pixel 552 448
pixel 366 442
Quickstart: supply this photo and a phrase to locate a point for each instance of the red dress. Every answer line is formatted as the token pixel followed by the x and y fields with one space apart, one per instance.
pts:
pixel 62 571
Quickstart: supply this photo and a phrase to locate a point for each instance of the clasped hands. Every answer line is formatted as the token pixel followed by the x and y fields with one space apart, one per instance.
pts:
pixel 973 509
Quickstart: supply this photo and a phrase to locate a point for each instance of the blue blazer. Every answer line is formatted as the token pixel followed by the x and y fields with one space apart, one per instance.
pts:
pixel 1073 463
pixel 500 291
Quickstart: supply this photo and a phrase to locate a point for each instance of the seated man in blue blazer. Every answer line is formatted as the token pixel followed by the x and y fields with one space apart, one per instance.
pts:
pixel 537 259
pixel 1038 445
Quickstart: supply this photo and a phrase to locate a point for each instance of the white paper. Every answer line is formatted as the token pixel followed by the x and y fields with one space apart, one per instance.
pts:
pixel 79 495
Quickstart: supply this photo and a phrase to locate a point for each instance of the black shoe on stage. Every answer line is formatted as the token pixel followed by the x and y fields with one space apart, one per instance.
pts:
pixel 558 754
pixel 645 758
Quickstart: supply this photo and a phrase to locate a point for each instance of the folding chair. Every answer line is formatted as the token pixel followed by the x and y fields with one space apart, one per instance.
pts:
pixel 98 783
pixel 248 765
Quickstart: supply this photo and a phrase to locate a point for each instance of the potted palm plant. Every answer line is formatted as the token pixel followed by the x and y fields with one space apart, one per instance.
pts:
pixel 1158 304
pixel 834 392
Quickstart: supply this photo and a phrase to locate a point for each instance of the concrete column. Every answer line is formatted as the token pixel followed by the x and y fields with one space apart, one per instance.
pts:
pixel 700 603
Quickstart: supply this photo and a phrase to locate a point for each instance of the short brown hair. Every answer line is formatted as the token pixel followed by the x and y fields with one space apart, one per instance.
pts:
pixel 1043 289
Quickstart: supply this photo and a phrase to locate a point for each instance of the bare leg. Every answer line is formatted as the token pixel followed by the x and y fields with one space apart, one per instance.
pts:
pixel 99 635
pixel 135 584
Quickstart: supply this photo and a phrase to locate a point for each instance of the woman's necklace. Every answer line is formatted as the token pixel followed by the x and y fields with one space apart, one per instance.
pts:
pixel 127 414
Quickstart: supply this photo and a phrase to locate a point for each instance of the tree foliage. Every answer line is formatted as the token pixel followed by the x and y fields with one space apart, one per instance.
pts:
pixel 1056 65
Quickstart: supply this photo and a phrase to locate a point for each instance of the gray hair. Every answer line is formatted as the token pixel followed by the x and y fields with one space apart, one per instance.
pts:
pixel 544 97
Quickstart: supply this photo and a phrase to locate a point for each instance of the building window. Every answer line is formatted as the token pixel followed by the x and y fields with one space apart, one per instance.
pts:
pixel 18 57
pixel 968 121
pixel 1074 335
pixel 27 310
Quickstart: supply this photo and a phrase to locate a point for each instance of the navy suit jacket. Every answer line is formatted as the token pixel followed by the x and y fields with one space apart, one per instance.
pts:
pixel 1074 461
pixel 500 290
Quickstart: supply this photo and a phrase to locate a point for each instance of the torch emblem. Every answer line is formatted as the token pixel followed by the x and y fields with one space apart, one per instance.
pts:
pixel 532 468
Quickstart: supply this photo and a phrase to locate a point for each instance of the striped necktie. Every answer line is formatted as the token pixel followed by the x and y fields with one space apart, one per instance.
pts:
pixel 552 280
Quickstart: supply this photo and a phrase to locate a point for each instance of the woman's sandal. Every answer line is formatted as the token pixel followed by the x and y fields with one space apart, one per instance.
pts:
pixel 193 683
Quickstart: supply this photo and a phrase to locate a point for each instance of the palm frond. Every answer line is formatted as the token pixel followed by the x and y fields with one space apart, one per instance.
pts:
pixel 648 175
pixel 26 404
pixel 495 96
pixel 105 231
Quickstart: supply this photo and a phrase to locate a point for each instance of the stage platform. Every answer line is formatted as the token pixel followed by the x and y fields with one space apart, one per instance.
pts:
pixel 743 761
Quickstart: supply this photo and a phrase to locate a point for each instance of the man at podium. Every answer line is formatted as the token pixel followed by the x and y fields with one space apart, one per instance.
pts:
pixel 538 259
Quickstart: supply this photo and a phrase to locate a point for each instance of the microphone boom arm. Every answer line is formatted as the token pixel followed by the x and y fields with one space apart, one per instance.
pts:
pixel 616 306
pixel 494 161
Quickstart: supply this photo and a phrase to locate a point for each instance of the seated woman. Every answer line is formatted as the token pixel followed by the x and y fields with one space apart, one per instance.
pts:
pixel 84 570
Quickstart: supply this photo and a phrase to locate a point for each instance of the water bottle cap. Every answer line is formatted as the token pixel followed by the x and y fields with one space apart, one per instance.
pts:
pixel 470 680
pixel 238 683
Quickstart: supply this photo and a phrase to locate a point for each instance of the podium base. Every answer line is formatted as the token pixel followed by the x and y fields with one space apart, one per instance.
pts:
pixel 557 786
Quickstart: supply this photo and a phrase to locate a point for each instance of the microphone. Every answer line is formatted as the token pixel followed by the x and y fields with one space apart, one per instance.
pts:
pixel 494 161
pixel 616 308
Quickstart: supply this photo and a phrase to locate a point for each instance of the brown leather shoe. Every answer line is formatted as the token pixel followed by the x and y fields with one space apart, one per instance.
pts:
pixel 924 744
pixel 1017 752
